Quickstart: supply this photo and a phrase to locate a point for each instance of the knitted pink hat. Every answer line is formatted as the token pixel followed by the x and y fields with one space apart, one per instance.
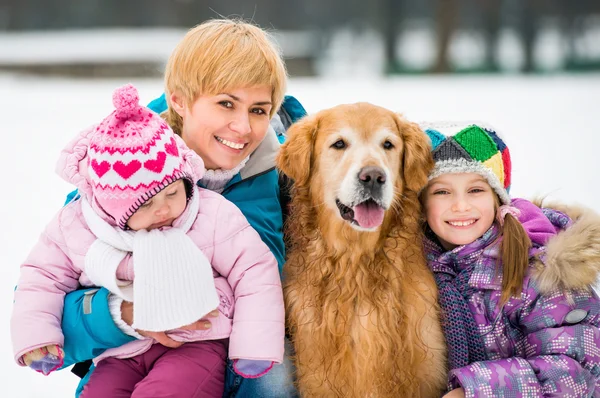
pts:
pixel 133 155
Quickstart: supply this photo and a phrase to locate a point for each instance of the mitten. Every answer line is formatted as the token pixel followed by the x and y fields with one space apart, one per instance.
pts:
pixel 125 269
pixel 251 369
pixel 45 360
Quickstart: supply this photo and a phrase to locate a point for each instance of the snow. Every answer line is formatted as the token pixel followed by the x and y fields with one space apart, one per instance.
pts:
pixel 550 124
pixel 89 45
pixel 117 45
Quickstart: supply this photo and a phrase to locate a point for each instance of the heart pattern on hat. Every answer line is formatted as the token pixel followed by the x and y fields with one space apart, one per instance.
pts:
pixel 171 147
pixel 127 170
pixel 156 165
pixel 142 150
pixel 100 168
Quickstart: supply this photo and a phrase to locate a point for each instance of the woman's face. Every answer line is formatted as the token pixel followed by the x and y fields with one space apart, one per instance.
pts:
pixel 227 127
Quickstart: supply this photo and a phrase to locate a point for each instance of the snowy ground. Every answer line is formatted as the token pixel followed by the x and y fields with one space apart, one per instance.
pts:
pixel 550 124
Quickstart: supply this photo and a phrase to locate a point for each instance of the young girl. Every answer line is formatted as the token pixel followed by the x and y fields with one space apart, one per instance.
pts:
pixel 520 318
pixel 143 230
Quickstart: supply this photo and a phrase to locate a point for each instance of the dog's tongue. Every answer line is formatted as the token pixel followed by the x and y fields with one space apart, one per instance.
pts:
pixel 368 214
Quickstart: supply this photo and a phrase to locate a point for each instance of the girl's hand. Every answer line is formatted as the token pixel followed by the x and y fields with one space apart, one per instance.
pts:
pixel 163 337
pixel 456 393
pixel 45 359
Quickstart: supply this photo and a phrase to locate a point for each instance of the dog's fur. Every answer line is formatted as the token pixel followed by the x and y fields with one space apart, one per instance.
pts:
pixel 361 303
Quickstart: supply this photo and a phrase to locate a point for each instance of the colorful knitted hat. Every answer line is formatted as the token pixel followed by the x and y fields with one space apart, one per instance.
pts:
pixel 133 155
pixel 470 148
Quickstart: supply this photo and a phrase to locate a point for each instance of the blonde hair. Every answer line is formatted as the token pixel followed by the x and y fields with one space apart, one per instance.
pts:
pixel 219 55
pixel 515 257
pixel 514 249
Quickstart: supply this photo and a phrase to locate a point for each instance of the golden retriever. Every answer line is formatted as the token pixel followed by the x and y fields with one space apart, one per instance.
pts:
pixel 361 302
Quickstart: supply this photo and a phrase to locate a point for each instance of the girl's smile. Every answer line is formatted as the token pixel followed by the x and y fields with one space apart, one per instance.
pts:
pixel 459 208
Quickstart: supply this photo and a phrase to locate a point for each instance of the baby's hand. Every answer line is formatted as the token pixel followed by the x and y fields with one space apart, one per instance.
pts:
pixel 251 369
pixel 45 360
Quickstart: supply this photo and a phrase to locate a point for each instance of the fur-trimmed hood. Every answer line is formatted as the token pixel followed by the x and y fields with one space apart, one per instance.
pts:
pixel 572 258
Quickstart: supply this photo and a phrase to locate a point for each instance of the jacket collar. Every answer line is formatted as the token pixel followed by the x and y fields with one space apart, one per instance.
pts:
pixel 263 158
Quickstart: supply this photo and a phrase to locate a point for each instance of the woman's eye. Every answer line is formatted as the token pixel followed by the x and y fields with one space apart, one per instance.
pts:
pixel 259 111
pixel 226 104
pixel 388 145
pixel 339 144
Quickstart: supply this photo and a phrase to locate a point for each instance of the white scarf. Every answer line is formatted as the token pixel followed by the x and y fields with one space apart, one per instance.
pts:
pixel 173 285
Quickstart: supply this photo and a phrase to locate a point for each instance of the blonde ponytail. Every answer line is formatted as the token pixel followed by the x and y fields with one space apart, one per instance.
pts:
pixel 515 257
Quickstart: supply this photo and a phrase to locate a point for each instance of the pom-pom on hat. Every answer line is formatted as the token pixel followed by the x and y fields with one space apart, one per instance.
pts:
pixel 132 156
pixel 463 147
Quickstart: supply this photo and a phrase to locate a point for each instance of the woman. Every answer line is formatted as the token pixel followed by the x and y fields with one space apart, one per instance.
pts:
pixel 224 86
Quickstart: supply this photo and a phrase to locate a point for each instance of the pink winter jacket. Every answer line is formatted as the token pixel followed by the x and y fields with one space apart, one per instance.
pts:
pixel 245 272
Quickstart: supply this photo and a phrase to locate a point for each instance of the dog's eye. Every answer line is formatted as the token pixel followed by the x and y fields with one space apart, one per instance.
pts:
pixel 339 144
pixel 388 145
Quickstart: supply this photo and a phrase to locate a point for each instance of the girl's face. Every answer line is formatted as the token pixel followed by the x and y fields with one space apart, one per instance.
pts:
pixel 162 209
pixel 227 127
pixel 459 208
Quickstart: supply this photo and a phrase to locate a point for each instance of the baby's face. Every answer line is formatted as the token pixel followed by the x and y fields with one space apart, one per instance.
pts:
pixel 161 210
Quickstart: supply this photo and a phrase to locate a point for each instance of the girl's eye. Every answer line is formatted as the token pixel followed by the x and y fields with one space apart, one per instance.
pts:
pixel 441 192
pixel 476 190
pixel 226 104
pixel 171 194
pixel 146 205
pixel 388 145
pixel 339 144
pixel 259 111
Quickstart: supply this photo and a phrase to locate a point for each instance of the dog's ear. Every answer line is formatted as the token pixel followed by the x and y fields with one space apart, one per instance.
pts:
pixel 417 161
pixel 295 156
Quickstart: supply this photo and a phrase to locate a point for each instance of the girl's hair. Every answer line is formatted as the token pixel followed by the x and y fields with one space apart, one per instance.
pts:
pixel 219 55
pixel 515 257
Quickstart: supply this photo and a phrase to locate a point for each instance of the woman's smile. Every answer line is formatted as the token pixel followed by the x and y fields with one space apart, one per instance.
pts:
pixel 231 144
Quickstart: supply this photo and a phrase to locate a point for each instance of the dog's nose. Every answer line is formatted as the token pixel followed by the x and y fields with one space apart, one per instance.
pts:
pixel 371 176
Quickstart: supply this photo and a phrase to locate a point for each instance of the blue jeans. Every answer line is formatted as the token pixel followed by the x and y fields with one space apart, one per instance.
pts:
pixel 278 383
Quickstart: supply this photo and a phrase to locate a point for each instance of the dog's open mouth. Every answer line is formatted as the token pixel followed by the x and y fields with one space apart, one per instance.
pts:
pixel 368 214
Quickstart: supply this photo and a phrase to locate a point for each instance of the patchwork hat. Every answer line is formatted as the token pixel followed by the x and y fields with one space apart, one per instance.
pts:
pixel 132 156
pixel 463 147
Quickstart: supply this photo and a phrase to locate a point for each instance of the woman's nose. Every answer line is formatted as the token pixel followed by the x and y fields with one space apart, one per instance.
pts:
pixel 241 124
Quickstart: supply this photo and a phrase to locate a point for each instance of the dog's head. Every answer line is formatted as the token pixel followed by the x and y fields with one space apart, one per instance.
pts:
pixel 356 161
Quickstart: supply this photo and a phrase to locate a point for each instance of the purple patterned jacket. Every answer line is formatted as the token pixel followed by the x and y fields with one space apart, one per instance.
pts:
pixel 544 343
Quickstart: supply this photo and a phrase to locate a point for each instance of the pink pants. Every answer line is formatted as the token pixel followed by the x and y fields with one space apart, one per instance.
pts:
pixel 192 370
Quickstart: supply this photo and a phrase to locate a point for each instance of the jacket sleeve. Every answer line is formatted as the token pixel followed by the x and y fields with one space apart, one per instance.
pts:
pixel 251 270
pixel 559 351
pixel 46 276
pixel 88 326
